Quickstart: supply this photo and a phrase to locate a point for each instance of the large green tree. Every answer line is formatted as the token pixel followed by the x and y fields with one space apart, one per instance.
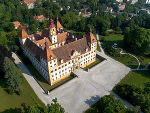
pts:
pixel 138 40
pixel 13 79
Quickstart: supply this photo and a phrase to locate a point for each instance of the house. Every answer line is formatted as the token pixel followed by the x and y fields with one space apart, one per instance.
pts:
pixel 40 18
pixel 56 53
pixel 17 24
pixel 30 3
pixel 122 7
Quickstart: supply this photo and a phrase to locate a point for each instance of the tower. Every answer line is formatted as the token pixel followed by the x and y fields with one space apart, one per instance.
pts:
pixel 52 32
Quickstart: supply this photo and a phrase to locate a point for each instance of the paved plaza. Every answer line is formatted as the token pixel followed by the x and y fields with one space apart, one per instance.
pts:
pixel 79 94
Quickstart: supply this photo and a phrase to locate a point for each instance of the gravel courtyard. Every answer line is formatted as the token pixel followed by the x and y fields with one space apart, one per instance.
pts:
pixel 79 94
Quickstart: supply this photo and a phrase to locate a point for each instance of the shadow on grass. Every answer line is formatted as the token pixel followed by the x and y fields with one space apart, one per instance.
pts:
pixel 144 73
pixel 13 110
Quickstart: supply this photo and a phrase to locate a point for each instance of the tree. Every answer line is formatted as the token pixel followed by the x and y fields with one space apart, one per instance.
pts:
pixel 3 53
pixel 13 79
pixel 54 107
pixel 10 27
pixel 138 40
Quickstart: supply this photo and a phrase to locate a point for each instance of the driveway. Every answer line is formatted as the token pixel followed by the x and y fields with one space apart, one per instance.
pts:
pixel 80 93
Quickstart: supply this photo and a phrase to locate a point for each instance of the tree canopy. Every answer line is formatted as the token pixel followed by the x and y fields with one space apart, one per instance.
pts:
pixel 13 79
pixel 138 40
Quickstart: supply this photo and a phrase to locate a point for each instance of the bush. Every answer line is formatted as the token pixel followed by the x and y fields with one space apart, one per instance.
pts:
pixel 10 91
pixel 19 92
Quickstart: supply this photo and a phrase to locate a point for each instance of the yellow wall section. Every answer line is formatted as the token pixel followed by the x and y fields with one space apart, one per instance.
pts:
pixel 88 63
pixel 63 77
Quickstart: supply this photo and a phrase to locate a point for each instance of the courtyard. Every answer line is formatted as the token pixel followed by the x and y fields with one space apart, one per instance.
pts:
pixel 79 94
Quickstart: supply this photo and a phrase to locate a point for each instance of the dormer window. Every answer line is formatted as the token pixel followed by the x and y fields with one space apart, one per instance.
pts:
pixel 62 61
pixel 86 49
pixel 51 57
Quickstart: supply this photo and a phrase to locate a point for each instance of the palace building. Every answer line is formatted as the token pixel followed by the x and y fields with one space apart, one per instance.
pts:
pixel 56 53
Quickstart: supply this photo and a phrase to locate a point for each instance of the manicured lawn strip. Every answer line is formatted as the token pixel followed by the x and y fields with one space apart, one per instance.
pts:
pixel 40 78
pixel 28 96
pixel 136 78
pixel 98 60
pixel 61 82
pixel 98 48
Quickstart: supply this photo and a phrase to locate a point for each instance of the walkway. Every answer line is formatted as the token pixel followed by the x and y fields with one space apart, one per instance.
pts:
pixel 123 53
pixel 97 36
pixel 127 104
pixel 33 83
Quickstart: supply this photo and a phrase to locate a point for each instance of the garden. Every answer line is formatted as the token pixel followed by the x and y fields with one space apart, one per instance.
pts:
pixel 107 43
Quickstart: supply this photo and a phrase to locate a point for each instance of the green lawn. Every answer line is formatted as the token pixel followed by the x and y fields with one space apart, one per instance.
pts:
pixel 98 48
pixel 144 61
pixel 137 78
pixel 8 101
pixel 111 39
pixel 98 60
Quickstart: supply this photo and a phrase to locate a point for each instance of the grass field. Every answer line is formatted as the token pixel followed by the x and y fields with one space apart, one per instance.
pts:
pixel 111 39
pixel 8 101
pixel 137 78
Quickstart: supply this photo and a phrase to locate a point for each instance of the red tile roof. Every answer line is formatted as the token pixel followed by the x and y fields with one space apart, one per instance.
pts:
pixel 58 24
pixel 40 45
pixel 16 23
pixel 29 1
pixel 41 17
